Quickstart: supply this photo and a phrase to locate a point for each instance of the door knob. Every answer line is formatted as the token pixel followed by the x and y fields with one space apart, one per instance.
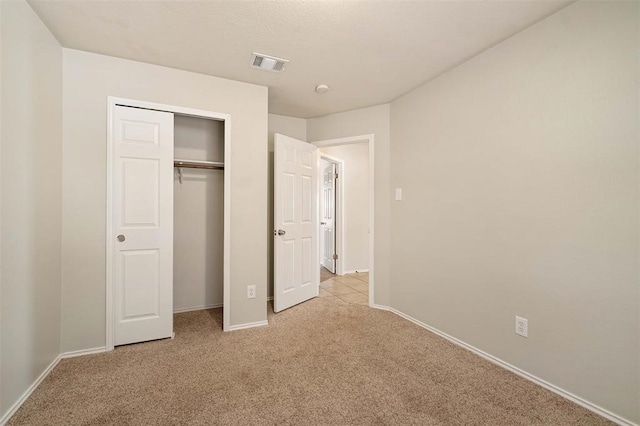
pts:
pixel 281 232
pixel 121 238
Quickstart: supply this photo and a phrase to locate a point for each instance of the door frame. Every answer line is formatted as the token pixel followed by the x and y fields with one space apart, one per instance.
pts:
pixel 112 102
pixel 338 211
pixel 350 140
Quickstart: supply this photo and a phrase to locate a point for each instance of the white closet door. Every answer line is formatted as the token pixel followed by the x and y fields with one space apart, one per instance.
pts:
pixel 143 224
pixel 296 269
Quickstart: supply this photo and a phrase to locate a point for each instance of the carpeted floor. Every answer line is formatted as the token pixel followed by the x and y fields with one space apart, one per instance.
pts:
pixel 324 362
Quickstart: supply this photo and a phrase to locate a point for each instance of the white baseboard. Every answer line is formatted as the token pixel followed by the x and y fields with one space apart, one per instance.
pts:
pixel 197 308
pixel 553 388
pixel 565 394
pixel 5 418
pixel 381 307
pixel 73 354
pixel 248 325
pixel 355 271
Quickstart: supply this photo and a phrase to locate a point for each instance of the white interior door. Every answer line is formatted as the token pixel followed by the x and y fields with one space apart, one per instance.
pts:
pixel 296 266
pixel 142 224
pixel 327 216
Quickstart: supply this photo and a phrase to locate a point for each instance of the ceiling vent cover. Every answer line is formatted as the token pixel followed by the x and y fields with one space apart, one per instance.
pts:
pixel 267 63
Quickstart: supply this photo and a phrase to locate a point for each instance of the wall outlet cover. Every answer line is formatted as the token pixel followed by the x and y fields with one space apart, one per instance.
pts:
pixel 251 292
pixel 522 326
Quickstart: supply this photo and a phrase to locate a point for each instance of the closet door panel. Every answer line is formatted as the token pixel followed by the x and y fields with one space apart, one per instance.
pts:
pixel 142 224
pixel 140 273
pixel 141 183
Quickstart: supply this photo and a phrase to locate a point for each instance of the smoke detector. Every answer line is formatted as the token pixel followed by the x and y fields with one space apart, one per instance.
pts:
pixel 322 88
pixel 267 63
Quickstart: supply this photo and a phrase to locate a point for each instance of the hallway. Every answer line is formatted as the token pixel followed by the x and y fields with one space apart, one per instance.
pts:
pixel 350 288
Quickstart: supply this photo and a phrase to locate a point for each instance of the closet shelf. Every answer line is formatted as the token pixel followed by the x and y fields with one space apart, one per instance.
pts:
pixel 193 164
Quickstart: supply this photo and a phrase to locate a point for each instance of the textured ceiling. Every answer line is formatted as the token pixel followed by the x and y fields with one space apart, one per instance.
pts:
pixel 368 52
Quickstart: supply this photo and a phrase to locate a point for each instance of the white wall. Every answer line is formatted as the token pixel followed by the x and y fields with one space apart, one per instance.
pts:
pixel 360 122
pixel 88 80
pixel 2 410
pixel 355 180
pixel 198 222
pixel 296 128
pixel 290 126
pixel 31 200
pixel 520 177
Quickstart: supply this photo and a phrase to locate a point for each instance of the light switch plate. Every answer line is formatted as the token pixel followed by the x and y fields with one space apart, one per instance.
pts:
pixel 398 194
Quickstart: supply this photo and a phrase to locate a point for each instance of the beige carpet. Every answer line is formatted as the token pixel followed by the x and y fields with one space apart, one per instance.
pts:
pixel 323 362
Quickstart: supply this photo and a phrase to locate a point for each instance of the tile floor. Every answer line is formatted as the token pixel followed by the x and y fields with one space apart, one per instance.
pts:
pixel 349 288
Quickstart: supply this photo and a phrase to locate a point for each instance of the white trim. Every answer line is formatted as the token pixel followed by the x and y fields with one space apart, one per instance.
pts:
pixel 27 393
pixel 338 211
pixel 198 308
pixel 355 271
pixel 381 307
pixel 111 103
pixel 83 352
pixel 109 287
pixel 249 325
pixel 226 261
pixel 553 388
pixel 370 139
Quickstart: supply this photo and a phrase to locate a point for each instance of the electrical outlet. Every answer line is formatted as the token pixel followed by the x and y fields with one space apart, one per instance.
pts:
pixel 522 327
pixel 251 292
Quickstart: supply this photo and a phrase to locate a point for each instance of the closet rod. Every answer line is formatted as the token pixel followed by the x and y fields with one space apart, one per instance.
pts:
pixel 198 164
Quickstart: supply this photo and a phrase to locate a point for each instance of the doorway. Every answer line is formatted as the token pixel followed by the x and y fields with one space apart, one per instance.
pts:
pixel 369 140
pixel 344 224
pixel 296 219
pixel 330 208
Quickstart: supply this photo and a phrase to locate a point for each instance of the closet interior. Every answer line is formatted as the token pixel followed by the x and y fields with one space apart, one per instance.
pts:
pixel 198 229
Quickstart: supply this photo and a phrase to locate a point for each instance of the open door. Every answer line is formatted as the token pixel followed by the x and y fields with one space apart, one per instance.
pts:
pixel 327 219
pixel 142 224
pixel 296 272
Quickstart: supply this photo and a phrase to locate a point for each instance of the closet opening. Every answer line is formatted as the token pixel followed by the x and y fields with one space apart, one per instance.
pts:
pixel 168 218
pixel 198 219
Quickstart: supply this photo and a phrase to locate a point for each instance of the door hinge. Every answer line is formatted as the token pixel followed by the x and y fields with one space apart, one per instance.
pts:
pixel 335 176
pixel 335 257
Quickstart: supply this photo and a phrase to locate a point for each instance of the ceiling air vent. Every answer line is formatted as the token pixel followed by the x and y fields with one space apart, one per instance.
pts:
pixel 268 63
